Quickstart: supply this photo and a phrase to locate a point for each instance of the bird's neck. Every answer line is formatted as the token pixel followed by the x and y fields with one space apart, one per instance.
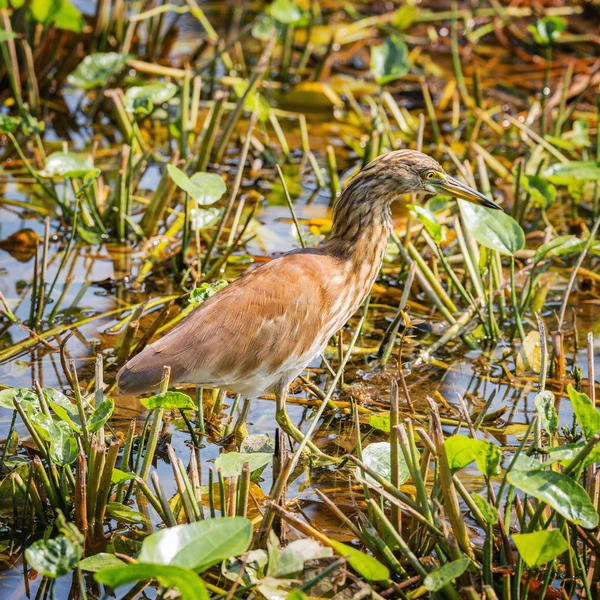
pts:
pixel 360 230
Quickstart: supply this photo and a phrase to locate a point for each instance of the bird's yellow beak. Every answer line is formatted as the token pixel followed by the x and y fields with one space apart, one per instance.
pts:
pixel 457 189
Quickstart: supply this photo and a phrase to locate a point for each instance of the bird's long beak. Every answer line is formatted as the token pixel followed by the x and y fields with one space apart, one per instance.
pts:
pixel 454 187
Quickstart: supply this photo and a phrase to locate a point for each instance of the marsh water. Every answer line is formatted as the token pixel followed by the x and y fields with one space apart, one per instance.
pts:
pixel 99 287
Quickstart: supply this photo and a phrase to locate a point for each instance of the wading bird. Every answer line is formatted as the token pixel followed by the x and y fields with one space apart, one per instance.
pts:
pixel 257 334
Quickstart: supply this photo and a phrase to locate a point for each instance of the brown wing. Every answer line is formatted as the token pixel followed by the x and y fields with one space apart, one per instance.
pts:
pixel 255 324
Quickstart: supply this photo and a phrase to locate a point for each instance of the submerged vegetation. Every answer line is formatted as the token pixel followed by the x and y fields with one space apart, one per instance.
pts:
pixel 150 152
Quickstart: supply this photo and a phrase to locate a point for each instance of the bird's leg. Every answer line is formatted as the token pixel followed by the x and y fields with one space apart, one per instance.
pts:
pixel 286 424
pixel 240 431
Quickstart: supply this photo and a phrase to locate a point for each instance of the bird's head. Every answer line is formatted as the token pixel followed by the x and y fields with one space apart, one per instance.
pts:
pixel 409 172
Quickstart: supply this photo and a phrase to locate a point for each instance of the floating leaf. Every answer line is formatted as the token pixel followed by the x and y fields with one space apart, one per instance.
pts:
pixel 377 457
pixel 258 442
pixel 462 451
pixel 311 96
pixel 66 164
pixel 231 463
pixel 101 415
pixel 96 69
pixel 364 564
pixel 100 561
pixel 566 173
pixel 380 421
pixel 53 557
pixel 560 492
pixel 540 547
pixel 23 395
pixel 429 221
pixel 389 61
pixel 446 574
pixel 544 404
pixel 205 188
pixel 185 580
pixel 169 401
pixel 199 545
pixel 264 28
pixel 203 218
pixel 493 229
pixel 142 99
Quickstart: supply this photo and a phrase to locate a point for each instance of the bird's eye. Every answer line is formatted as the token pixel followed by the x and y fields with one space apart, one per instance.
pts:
pixel 430 175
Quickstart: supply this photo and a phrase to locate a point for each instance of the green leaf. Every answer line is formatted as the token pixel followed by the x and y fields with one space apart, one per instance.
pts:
pixel 389 61
pixel 43 424
pixel 203 218
pixel 204 291
pixel 560 492
pixel 377 457
pixel 559 246
pixel 567 173
pixel 199 545
pixel 7 35
pixel 446 574
pixel 462 451
pixel 63 446
pixel 53 557
pixel 100 561
pixel 290 561
pixel 489 511
pixel 544 404
pixel 231 463
pixel 118 476
pixel 124 513
pixel 364 564
pixel 205 188
pixel 380 421
pixel 588 418
pixel 429 221
pixel 285 11
pixel 541 191
pixel 101 414
pixel 186 581
pixel 23 395
pixel 493 229
pixel 64 415
pixel 264 28
pixel 169 401
pixel 141 99
pixel 8 124
pixel 540 547
pixel 96 69
pixel 60 13
pixel 547 30
pixel 66 164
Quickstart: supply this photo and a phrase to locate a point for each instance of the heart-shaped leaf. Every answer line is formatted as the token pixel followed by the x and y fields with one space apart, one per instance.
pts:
pixel 446 574
pixel 205 188
pixel 493 229
pixel 53 557
pixel 101 414
pixel 462 451
pixel 560 492
pixel 232 463
pixel 365 565
pixel 540 547
pixel 96 69
pixel 186 581
pixel 199 545
pixel 142 99
pixel 378 458
pixel 66 164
